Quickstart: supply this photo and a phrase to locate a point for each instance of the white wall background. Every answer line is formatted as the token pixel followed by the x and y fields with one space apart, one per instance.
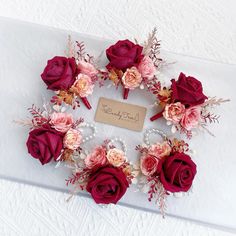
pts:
pixel 203 28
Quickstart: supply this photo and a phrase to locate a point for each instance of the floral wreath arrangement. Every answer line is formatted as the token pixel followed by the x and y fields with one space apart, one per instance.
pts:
pixel 165 168
pixel 132 65
pixel 103 172
pixel 184 105
pixel 54 135
pixel 71 77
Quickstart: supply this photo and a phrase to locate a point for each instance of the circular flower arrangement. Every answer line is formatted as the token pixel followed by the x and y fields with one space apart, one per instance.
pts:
pixel 132 65
pixel 105 173
pixel 71 77
pixel 165 168
pixel 184 105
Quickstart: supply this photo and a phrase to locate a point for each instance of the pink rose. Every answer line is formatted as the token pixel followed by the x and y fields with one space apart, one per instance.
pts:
pixel 83 86
pixel 174 112
pixel 191 117
pixel 160 149
pixel 131 78
pixel 61 122
pixel 87 68
pixel 146 67
pixel 96 159
pixel 72 139
pixel 148 164
pixel 116 157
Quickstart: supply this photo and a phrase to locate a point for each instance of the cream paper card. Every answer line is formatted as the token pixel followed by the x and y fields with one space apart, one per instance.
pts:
pixel 120 114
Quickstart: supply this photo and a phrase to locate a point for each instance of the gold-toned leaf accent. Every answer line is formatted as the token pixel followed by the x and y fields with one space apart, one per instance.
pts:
pixel 66 97
pixel 115 76
pixel 67 155
pixel 164 96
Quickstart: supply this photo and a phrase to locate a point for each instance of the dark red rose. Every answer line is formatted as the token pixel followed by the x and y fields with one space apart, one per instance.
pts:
pixel 107 185
pixel 187 90
pixel 45 143
pixel 60 73
pixel 177 172
pixel 124 54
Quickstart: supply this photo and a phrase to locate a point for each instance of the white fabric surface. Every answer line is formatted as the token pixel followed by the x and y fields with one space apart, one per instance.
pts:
pixel 200 28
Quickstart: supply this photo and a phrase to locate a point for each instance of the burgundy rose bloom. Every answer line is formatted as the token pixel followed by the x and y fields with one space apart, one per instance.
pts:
pixel 45 143
pixel 60 73
pixel 107 185
pixel 124 54
pixel 177 172
pixel 187 90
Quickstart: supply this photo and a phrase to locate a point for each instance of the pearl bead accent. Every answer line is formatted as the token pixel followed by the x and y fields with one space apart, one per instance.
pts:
pixel 148 132
pixel 92 127
pixel 119 140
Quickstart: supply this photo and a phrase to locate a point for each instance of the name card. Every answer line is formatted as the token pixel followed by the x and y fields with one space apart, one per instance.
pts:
pixel 120 114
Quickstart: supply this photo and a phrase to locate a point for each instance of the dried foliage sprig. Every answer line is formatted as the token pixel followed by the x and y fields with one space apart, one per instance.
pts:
pixel 158 192
pixel 152 48
pixel 141 149
pixel 35 111
pixel 23 122
pixel 78 122
pixel 153 85
pixel 211 118
pixel 188 133
pixel 204 126
pixel 215 101
pixel 70 52
pixel 80 50
pixel 78 179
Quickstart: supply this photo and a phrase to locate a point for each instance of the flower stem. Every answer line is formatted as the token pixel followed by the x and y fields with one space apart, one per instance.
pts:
pixel 86 102
pixel 157 116
pixel 126 93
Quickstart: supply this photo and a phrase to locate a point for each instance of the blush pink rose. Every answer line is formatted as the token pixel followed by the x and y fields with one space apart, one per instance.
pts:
pixel 160 149
pixel 96 159
pixel 61 122
pixel 191 117
pixel 174 112
pixel 72 139
pixel 87 68
pixel 83 86
pixel 148 164
pixel 132 78
pixel 116 157
pixel 146 67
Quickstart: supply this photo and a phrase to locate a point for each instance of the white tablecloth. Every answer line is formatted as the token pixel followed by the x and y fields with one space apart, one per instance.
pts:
pixel 203 28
